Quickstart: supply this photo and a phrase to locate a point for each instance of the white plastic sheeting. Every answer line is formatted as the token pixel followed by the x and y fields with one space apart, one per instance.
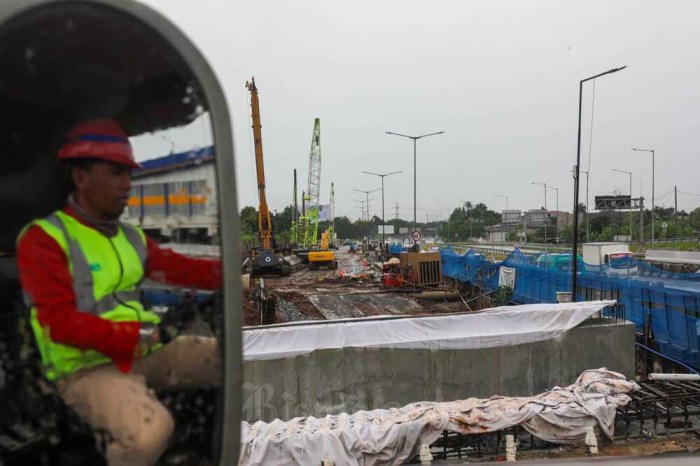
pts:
pixel 394 436
pixel 499 326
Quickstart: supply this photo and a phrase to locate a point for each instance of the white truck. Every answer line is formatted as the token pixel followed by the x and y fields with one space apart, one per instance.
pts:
pixel 598 254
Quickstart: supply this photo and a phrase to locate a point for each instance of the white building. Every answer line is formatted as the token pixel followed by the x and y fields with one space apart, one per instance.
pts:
pixel 175 197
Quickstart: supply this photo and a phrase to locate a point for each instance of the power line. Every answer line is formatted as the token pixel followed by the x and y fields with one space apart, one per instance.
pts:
pixel 688 194
pixel 661 197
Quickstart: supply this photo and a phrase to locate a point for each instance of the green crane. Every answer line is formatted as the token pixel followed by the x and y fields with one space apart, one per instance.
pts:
pixel 314 188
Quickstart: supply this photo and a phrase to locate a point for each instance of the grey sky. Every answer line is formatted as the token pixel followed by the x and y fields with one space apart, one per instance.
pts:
pixel 501 78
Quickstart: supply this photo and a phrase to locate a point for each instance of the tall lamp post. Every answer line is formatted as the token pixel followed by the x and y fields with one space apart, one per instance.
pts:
pixel 546 211
pixel 362 208
pixel 415 138
pixel 367 194
pixel 652 190
pixel 382 176
pixel 556 225
pixel 577 168
pixel 630 174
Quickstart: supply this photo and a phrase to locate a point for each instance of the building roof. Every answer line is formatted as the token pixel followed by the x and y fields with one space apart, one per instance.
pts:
pixel 176 161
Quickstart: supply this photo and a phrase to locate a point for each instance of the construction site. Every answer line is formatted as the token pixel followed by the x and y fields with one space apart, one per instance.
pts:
pixel 476 336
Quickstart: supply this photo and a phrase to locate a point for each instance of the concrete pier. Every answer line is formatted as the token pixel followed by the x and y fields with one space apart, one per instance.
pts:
pixel 351 379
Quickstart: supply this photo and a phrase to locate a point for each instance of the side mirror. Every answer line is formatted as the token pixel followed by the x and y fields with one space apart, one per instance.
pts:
pixel 67 61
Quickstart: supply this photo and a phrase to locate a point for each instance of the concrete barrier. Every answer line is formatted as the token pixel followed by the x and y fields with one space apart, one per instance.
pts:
pixel 351 379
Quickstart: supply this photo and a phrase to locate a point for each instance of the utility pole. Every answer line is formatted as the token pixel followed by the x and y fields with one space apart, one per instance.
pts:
pixel 396 210
pixel 675 194
pixel 641 222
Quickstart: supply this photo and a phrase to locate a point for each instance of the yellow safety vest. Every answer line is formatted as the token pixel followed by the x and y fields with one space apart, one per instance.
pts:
pixel 106 276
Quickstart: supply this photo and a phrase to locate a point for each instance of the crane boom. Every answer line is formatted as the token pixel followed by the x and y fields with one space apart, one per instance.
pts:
pixel 264 221
pixel 331 218
pixel 314 192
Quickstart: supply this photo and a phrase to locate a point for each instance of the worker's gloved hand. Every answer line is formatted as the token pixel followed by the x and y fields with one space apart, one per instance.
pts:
pixel 165 335
pixel 150 335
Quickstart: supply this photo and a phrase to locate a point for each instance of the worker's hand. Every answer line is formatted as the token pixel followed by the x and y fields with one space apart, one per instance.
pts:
pixel 149 336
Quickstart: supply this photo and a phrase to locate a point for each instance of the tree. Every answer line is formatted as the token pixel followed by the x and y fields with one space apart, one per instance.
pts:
pixel 249 219
pixel 694 220
pixel 283 220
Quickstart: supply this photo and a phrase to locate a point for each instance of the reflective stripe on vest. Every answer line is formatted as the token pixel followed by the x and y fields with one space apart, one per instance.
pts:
pixel 82 275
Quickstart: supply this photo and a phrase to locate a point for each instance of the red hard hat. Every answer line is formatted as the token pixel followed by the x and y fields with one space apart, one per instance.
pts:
pixel 98 139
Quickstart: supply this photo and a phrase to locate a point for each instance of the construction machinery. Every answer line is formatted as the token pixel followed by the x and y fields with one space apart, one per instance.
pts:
pixel 264 261
pixel 294 229
pixel 307 224
pixel 313 193
pixel 331 220
pixel 324 256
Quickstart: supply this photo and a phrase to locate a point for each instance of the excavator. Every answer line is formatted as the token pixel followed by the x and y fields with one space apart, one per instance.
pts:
pixel 265 261
pixel 324 255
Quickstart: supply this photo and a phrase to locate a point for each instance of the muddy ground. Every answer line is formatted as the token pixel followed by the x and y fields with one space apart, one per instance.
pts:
pixel 353 290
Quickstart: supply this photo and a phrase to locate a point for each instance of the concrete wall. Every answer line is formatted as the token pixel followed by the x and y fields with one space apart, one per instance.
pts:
pixel 353 379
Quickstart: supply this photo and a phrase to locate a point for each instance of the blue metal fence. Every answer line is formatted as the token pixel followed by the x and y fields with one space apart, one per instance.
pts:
pixel 669 302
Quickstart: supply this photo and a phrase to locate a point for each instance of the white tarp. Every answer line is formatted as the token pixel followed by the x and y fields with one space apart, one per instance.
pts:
pixel 394 436
pixel 500 326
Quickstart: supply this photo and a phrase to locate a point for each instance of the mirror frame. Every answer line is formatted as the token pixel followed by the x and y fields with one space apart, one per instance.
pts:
pixel 230 428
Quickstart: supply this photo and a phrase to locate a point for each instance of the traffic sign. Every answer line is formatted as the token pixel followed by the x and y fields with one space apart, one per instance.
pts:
pixel 416 236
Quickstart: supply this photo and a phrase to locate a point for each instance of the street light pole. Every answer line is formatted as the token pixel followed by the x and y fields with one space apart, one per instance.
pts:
pixel 362 208
pixel 382 175
pixel 415 138
pixel 652 190
pixel 556 225
pixel 546 212
pixel 630 174
pixel 367 200
pixel 574 268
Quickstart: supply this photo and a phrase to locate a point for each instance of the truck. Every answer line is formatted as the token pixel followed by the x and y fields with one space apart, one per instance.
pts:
pixel 602 253
pixel 616 256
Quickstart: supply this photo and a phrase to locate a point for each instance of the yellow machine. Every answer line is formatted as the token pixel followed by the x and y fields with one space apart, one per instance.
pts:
pixel 324 256
pixel 264 261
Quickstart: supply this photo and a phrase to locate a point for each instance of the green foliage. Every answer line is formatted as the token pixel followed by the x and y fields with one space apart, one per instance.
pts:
pixel 249 219
pixel 502 296
pixel 469 221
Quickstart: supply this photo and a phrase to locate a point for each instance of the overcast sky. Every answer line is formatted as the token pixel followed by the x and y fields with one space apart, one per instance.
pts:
pixel 499 77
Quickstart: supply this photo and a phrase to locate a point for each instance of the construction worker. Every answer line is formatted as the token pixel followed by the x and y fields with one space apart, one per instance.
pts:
pixel 80 270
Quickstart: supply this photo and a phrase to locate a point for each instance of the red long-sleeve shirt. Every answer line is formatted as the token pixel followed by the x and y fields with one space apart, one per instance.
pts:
pixel 45 276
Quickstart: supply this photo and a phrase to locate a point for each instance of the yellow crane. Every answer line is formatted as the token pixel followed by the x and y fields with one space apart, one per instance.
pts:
pixel 265 260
